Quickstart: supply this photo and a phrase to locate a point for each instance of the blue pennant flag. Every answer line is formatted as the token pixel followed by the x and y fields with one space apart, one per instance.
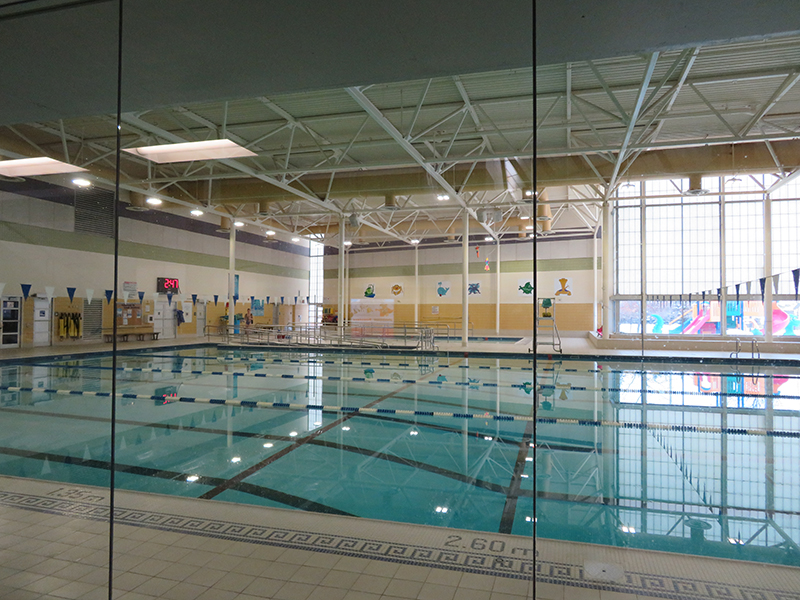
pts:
pixel 308 299
pixel 235 298
pixel 109 295
pixel 796 276
pixel 737 290
pixel 141 297
pixel 267 299
pixel 295 299
pixel 281 299
pixel 252 300
pixel 26 290
pixel 194 299
pixel 71 293
pixel 169 298
pixel 763 283
pixel 216 297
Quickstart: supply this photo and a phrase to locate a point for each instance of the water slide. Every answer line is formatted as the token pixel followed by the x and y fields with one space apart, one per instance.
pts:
pixel 698 322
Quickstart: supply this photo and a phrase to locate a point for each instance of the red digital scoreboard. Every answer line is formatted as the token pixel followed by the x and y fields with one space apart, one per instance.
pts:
pixel 167 284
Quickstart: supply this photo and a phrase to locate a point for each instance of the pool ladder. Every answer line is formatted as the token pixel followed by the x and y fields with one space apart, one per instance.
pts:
pixel 755 351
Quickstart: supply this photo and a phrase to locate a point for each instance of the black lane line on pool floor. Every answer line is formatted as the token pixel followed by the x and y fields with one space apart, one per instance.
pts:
pixel 260 491
pixel 298 443
pixel 514 489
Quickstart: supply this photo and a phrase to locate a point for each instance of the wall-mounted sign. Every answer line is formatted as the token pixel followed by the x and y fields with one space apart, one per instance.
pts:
pixel 167 284
pixel 129 286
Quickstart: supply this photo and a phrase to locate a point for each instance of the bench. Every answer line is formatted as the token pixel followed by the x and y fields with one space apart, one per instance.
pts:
pixel 123 331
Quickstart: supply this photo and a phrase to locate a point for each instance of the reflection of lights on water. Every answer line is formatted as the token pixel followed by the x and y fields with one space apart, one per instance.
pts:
pixel 413 432
pixel 524 476
pixel 736 542
pixel 531 520
pixel 441 509
pixel 293 434
pixel 531 445
pixel 236 459
pixel 268 445
pixel 529 458
pixel 488 438
pixel 317 423
pixel 192 478
pixel 345 428
pixel 626 529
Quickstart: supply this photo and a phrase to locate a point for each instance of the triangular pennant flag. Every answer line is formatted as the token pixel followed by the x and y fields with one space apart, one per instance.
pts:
pixel 775 282
pixel 89 295
pixel 109 294
pixel 737 291
pixel 308 299
pixel 719 295
pixel 704 296
pixel 749 286
pixel 141 297
pixel 795 275
pixel 690 298
pixel 194 299
pixel 763 283
pixel 235 298
pixel 169 298
pixel 281 299
pixel 125 296
pixel 71 293
pixel 295 299
pixel 252 300
pixel 216 297
pixel 49 290
pixel 26 289
pixel 267 299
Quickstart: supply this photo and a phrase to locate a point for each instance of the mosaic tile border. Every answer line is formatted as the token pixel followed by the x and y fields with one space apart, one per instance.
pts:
pixel 452 559
pixel 656 586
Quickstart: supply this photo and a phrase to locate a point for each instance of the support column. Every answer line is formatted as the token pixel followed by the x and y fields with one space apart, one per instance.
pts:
pixel 497 293
pixel 594 280
pixel 465 280
pixel 340 286
pixel 416 283
pixel 768 269
pixel 347 293
pixel 607 270
pixel 231 273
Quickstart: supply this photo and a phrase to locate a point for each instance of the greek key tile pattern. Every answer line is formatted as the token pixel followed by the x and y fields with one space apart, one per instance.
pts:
pixel 656 586
pixel 467 561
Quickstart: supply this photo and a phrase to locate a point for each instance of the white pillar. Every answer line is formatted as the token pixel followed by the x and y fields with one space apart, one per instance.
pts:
pixel 231 272
pixel 347 282
pixel 607 270
pixel 768 269
pixel 594 280
pixel 465 281
pixel 416 283
pixel 340 286
pixel 497 292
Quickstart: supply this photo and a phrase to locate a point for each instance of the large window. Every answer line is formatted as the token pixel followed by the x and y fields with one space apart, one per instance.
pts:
pixel 702 258
pixel 315 281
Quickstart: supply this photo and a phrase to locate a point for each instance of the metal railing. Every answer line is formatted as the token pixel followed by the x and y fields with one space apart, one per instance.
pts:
pixel 358 335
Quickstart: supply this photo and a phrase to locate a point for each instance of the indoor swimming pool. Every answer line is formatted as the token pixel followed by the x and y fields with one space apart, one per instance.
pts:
pixel 689 458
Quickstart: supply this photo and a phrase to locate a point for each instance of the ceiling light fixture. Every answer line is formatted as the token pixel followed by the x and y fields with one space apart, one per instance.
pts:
pixel 295 239
pixel 41 165
pixel 81 182
pixel 348 243
pixel 238 224
pixel 415 242
pixel 154 202
pixel 189 151
pixel 197 213
pixel 529 227
pixel 488 238
pixel 442 197
pixel 269 232
pixel 524 217
pixel 528 193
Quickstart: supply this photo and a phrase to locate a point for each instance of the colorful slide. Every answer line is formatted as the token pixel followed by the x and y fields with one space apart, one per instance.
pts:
pixel 699 321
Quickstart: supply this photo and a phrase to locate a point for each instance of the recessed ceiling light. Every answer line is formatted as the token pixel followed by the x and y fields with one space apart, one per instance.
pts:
pixel 295 239
pixel 189 151
pixel 238 224
pixel 81 182
pixel 154 201
pixel 41 165
pixel 197 213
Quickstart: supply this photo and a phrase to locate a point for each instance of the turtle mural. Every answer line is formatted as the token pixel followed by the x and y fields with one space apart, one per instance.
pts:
pixel 369 292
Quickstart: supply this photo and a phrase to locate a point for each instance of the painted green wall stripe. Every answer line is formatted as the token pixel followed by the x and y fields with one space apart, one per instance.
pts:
pixel 511 266
pixel 53 238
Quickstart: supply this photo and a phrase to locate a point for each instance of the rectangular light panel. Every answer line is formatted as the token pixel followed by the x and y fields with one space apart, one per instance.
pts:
pixel 189 151
pixel 29 167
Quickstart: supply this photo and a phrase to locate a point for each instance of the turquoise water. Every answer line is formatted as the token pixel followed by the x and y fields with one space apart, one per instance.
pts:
pixel 686 458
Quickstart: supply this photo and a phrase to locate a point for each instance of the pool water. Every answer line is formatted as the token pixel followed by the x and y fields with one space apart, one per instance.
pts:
pixel 685 458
